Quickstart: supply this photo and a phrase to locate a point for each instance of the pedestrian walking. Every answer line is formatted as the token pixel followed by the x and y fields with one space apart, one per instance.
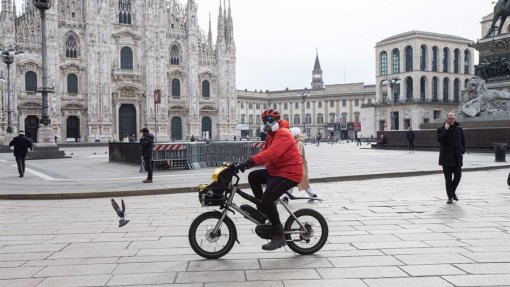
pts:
pixel 305 182
pixel 358 138
pixel 147 145
pixel 452 147
pixel 319 137
pixel 410 139
pixel 21 144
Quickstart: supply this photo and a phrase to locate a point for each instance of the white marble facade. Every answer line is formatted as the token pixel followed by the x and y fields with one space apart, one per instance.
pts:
pixel 107 57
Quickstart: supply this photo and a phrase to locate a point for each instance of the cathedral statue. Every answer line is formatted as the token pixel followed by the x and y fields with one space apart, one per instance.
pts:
pixel 480 99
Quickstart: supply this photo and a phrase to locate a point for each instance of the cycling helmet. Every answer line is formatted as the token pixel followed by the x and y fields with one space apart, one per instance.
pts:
pixel 270 114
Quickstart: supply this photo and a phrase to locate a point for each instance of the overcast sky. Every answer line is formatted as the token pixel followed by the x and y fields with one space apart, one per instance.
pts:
pixel 276 39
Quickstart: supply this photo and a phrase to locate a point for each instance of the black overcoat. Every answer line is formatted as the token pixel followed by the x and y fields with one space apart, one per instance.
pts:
pixel 21 145
pixel 452 145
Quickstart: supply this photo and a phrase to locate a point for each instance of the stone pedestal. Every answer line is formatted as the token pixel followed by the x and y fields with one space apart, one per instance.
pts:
pixel 46 148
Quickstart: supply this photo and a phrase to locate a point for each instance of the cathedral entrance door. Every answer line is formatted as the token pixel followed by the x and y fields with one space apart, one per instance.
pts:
pixel 127 120
pixel 176 128
pixel 31 127
pixel 206 128
pixel 73 127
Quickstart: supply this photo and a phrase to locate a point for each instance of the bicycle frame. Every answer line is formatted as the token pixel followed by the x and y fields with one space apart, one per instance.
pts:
pixel 231 206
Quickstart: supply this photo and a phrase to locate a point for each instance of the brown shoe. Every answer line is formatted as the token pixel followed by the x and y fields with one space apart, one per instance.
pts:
pixel 147 181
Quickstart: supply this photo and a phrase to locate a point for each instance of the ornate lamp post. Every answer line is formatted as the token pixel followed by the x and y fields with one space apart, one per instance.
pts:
pixel 392 82
pixel 44 5
pixel 303 95
pixel 8 59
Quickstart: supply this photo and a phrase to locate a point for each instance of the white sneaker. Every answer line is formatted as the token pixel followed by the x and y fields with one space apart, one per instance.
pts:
pixel 311 200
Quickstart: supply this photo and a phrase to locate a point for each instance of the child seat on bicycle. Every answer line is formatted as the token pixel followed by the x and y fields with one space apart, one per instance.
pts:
pixel 283 170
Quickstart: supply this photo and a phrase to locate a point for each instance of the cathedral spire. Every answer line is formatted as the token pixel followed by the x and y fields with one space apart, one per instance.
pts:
pixel 7 5
pixel 317 82
pixel 209 35
pixel 221 28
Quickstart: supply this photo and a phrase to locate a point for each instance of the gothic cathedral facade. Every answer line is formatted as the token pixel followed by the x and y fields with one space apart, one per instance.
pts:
pixel 110 61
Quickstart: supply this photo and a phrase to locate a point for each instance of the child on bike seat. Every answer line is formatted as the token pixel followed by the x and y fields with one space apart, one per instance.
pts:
pixel 283 170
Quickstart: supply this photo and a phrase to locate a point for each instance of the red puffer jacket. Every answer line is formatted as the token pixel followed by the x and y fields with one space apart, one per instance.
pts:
pixel 281 155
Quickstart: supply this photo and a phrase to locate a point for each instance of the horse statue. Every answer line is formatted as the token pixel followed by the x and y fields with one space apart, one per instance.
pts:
pixel 501 10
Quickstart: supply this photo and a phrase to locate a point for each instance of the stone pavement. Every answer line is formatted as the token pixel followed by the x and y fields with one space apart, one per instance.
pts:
pixel 89 174
pixel 383 232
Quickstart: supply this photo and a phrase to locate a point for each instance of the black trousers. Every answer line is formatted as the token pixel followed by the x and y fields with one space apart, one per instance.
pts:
pixel 148 166
pixel 411 145
pixel 452 175
pixel 20 160
pixel 275 187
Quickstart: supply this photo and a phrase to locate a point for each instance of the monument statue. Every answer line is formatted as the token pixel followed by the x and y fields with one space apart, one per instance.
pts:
pixel 501 10
pixel 480 99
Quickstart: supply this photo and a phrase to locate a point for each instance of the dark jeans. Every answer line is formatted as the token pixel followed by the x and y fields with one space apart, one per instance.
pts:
pixel 20 160
pixel 148 167
pixel 411 145
pixel 275 187
pixel 452 183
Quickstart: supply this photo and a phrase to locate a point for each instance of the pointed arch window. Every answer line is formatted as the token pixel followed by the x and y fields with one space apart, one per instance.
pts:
pixel 206 93
pixel 423 58
pixel 126 58
pixel 71 46
pixel 174 55
pixel 409 58
pixel 125 12
pixel 395 59
pixel 72 84
pixel 434 58
pixel 176 88
pixel 467 61
pixel 31 82
pixel 384 63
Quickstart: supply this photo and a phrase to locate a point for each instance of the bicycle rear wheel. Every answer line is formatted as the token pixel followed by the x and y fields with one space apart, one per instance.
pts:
pixel 315 236
pixel 208 244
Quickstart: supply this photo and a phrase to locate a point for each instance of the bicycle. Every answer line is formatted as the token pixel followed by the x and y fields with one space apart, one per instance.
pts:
pixel 213 234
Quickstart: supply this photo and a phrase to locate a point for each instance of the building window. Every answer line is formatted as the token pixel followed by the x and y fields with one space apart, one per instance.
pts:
pixel 250 119
pixel 344 117
pixel 174 55
pixel 31 82
pixel 434 58
pixel 176 88
pixel 356 116
pixel 446 59
pixel 242 105
pixel 423 83
pixel 356 102
pixel 308 119
pixel 466 81
pixel 285 106
pixel 250 106
pixel 331 104
pixel 435 83
pixel 307 105
pixel 384 63
pixel 296 105
pixel 206 91
pixel 456 61
pixel 332 117
pixel 456 90
pixel 395 59
pixel 467 60
pixel 423 58
pixel 446 89
pixel 320 119
pixel 409 88
pixel 437 114
pixel 71 46
pixel 72 84
pixel 125 11
pixel 257 120
pixel 319 104
pixel 126 58
pixel 344 103
pixel 286 117
pixel 243 119
pixel 409 59
pixel 296 119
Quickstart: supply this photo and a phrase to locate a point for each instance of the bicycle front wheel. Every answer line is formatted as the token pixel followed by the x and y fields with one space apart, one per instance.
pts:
pixel 309 239
pixel 209 244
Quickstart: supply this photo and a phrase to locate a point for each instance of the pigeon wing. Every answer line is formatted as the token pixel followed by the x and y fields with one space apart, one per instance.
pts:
pixel 123 206
pixel 116 206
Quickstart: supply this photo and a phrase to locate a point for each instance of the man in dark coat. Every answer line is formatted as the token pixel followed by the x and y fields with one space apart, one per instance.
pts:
pixel 452 147
pixel 410 139
pixel 21 145
pixel 147 143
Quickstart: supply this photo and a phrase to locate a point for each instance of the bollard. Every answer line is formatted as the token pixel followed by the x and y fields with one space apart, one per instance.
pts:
pixel 500 151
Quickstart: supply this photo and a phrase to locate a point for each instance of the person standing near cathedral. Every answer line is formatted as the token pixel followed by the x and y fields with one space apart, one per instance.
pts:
pixel 147 145
pixel 452 148
pixel 410 139
pixel 21 144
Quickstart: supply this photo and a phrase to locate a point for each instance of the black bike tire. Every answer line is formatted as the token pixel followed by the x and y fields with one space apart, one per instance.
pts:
pixel 324 236
pixel 223 251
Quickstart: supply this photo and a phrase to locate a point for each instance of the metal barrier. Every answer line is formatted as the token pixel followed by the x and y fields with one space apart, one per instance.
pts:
pixel 190 155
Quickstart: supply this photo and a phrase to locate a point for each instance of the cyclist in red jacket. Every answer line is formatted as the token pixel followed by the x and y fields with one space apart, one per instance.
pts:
pixel 283 170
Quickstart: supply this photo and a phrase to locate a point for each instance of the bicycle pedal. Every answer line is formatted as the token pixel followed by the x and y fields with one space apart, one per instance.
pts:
pixel 253 212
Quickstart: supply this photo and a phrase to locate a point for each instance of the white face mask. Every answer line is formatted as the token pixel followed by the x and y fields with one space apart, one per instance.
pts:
pixel 275 127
